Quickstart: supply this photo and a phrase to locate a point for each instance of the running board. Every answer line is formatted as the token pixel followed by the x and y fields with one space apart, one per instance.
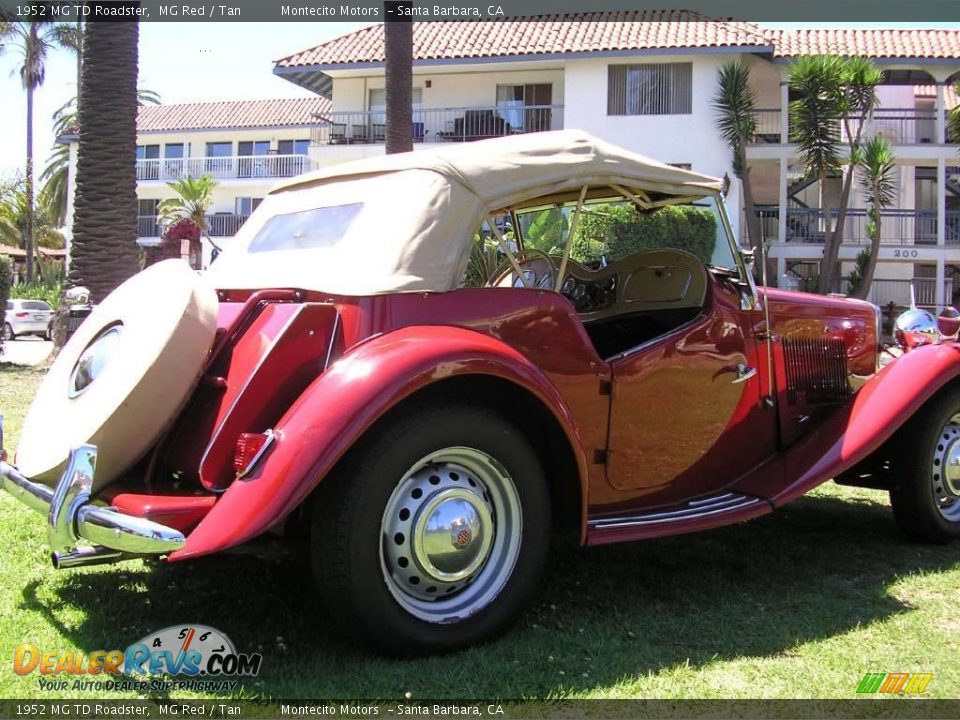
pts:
pixel 700 514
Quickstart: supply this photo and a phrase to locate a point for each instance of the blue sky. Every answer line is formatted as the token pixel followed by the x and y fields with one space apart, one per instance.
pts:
pixel 190 62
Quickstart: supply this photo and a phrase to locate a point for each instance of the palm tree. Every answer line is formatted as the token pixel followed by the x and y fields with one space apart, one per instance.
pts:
pixel 55 175
pixel 734 103
pixel 14 212
pixel 398 71
pixel 194 198
pixel 876 176
pixel 33 41
pixel 104 251
pixel 833 91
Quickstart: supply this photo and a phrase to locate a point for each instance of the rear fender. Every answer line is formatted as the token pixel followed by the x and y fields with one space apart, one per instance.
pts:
pixel 343 403
pixel 849 436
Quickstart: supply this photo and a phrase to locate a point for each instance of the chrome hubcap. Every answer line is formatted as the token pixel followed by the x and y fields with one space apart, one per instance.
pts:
pixel 945 475
pixel 450 534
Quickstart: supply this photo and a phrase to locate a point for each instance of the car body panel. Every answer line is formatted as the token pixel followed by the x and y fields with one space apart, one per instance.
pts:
pixel 314 434
pixel 855 430
pixel 678 413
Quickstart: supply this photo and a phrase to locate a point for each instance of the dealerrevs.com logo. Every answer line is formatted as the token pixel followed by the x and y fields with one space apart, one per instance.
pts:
pixel 197 656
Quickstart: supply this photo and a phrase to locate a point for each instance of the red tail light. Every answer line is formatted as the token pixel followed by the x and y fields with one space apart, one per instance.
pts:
pixel 21 314
pixel 250 448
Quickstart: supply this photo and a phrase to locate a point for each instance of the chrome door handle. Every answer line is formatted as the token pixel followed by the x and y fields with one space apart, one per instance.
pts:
pixel 744 373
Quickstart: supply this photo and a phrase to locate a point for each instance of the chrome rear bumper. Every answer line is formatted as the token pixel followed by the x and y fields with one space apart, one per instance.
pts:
pixel 102 534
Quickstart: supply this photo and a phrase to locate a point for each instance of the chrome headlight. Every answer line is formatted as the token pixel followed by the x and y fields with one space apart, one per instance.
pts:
pixel 916 328
pixel 93 360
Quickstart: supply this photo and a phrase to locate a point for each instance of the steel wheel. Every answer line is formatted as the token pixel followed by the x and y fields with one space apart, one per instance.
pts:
pixel 450 534
pixel 925 491
pixel 433 533
pixel 945 472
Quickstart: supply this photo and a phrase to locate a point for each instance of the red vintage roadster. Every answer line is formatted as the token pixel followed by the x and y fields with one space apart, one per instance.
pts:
pixel 425 363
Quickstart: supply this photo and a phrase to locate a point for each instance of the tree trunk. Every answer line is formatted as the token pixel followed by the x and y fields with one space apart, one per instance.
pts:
pixel 28 224
pixel 104 251
pixel 79 57
pixel 828 266
pixel 398 46
pixel 863 289
pixel 754 232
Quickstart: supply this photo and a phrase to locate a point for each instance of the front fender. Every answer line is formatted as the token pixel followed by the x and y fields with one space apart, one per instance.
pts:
pixel 878 410
pixel 343 403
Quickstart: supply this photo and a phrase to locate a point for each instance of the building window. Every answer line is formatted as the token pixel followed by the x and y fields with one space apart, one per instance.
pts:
pixel 173 166
pixel 650 89
pixel 147 224
pixel 525 107
pixel 293 147
pixel 218 162
pixel 246 205
pixel 148 162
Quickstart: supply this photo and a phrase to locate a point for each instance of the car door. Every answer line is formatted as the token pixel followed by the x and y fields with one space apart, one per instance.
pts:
pixel 686 412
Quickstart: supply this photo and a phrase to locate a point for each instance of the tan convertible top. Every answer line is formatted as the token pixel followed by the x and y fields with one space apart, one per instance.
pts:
pixel 420 210
pixel 504 171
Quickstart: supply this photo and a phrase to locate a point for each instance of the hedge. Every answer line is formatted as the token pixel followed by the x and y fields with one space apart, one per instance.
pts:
pixel 625 231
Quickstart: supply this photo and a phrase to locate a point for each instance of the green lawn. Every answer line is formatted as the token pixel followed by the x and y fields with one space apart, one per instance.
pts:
pixel 798 605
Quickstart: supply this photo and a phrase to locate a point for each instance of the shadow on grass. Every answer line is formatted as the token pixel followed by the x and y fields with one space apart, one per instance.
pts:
pixel 816 569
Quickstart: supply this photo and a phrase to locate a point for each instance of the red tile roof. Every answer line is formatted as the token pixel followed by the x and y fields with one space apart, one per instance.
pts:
pixel 631 30
pixel 875 43
pixel 542 35
pixel 291 112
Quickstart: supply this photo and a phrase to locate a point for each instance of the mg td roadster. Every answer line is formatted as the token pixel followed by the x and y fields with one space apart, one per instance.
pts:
pixel 428 363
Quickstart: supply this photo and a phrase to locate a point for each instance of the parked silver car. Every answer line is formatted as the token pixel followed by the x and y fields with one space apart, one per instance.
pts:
pixel 27 317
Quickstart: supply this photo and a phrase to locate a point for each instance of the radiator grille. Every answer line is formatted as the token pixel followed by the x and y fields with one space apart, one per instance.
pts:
pixel 816 371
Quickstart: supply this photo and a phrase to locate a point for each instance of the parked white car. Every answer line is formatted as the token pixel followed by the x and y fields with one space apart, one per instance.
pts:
pixel 27 317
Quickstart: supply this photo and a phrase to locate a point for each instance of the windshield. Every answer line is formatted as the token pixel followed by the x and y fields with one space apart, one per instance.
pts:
pixel 614 229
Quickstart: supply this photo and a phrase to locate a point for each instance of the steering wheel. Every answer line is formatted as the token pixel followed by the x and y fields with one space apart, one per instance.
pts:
pixel 537 267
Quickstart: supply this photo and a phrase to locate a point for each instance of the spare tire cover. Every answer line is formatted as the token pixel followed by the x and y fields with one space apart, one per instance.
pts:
pixel 123 376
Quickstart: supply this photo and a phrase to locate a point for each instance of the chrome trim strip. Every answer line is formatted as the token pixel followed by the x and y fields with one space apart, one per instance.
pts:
pixel 712 499
pixel 333 339
pixel 705 508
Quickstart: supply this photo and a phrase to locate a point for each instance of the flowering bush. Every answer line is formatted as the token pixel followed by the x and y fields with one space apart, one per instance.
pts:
pixel 169 246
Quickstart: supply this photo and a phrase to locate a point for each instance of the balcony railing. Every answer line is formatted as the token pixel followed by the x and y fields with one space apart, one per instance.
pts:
pixel 225 168
pixel 901 126
pixel 883 292
pixel 218 225
pixel 438 124
pixel 897 227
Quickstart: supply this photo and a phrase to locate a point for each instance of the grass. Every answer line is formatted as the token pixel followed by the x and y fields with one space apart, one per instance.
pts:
pixel 796 605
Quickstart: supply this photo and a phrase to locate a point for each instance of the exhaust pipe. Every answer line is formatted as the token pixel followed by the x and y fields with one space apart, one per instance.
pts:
pixel 85 556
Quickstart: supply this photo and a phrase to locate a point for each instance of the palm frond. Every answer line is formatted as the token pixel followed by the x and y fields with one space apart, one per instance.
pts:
pixel 147 97
pixel 815 115
pixel 735 107
pixel 877 173
pixel 67 36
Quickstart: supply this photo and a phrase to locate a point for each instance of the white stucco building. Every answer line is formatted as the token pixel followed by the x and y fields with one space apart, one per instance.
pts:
pixel 642 80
